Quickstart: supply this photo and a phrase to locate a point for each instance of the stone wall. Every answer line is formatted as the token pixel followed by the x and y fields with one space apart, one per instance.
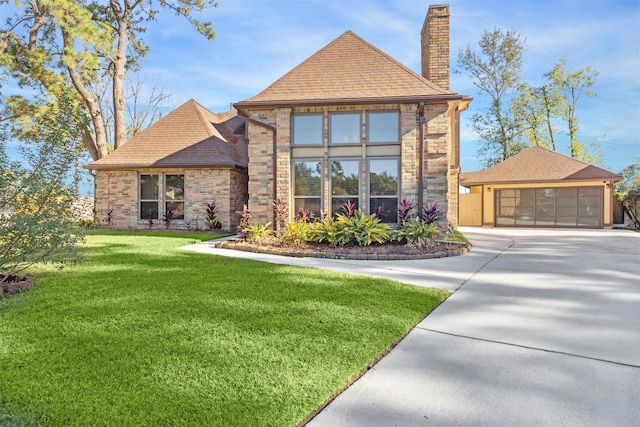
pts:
pixel 117 191
pixel 82 208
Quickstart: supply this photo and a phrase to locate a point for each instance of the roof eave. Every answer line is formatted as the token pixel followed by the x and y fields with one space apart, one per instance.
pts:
pixel 159 166
pixel 430 99
pixel 538 181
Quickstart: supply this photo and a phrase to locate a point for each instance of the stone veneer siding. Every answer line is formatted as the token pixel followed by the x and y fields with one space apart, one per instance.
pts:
pixel 118 190
pixel 440 175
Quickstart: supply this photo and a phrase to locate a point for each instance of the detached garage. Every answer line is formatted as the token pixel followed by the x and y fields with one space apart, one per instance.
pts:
pixel 538 188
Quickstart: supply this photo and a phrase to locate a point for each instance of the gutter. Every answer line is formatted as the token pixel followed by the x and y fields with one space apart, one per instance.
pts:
pixel 421 120
pixel 288 103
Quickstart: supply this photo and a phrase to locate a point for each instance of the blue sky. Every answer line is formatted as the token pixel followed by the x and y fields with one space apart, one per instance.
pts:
pixel 257 41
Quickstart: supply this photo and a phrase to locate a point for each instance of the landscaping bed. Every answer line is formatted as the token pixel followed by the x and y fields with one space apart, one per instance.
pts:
pixel 386 251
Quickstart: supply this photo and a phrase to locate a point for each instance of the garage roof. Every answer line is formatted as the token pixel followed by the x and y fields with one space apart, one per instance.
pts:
pixel 538 164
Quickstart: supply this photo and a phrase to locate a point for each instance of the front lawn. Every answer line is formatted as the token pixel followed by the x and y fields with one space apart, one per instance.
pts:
pixel 142 333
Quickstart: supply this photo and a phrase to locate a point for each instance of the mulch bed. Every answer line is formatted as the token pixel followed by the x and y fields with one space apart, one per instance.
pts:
pixel 386 251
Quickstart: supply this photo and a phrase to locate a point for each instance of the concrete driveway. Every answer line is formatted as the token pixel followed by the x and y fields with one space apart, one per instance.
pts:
pixel 543 329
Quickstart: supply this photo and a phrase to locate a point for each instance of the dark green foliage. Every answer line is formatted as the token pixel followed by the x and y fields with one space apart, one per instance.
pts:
pixel 359 229
pixel 417 232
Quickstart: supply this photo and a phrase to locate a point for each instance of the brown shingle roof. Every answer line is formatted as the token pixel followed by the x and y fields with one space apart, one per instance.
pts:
pixel 537 164
pixel 189 137
pixel 348 69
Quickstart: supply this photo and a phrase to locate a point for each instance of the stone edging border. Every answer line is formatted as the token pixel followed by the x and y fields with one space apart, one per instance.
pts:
pixel 458 248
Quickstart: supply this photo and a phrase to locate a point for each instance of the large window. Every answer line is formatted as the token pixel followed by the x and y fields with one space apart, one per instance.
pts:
pixel 383 189
pixel 174 195
pixel 345 184
pixel 344 128
pixel 149 196
pixel 308 186
pixel 307 129
pixel 383 127
pixel 150 199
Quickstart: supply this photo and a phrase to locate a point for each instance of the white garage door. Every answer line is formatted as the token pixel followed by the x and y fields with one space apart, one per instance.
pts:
pixel 549 207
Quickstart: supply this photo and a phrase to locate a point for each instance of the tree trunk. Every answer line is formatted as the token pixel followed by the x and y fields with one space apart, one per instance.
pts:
pixel 119 117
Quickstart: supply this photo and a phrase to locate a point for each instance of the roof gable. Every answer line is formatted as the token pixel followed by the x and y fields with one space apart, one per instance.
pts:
pixel 537 164
pixel 189 136
pixel 349 68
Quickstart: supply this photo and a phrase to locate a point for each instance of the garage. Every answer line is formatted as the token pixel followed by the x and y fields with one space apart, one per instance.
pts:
pixel 538 188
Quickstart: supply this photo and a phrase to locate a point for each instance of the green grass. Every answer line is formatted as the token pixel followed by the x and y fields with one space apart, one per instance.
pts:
pixel 144 334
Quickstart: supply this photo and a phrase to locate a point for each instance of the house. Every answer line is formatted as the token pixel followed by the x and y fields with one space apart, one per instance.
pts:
pixel 188 158
pixel 350 123
pixel 539 188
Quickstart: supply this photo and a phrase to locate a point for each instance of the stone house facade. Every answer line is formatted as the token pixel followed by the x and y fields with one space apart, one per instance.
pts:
pixel 187 159
pixel 350 123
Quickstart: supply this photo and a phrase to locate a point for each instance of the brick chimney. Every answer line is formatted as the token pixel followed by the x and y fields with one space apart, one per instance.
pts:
pixel 435 45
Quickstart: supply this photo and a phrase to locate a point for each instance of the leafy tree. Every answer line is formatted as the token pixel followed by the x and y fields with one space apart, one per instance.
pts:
pixel 49 45
pixel 629 188
pixel 571 86
pixel 495 70
pixel 535 109
pixel 34 201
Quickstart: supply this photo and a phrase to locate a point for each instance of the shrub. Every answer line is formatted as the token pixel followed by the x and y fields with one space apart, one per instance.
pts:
pixel 167 218
pixel 297 233
pixel 431 213
pixel 348 209
pixel 109 218
pixel 359 229
pixel 245 219
pixel 404 211
pixel 211 212
pixel 325 231
pixel 280 212
pixel 417 232
pixel 258 233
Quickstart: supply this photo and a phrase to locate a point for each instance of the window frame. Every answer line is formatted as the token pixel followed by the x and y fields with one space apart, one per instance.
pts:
pixel 294 118
pixel 161 200
pixel 307 197
pixel 353 198
pixel 369 114
pixel 330 127
pixel 166 200
pixel 142 214
pixel 396 196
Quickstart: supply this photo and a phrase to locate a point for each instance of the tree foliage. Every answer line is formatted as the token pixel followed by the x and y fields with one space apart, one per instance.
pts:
pixel 629 187
pixel 34 201
pixel 49 45
pixel 520 114
pixel 495 69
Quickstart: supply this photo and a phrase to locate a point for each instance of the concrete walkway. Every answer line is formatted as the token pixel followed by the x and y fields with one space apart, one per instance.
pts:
pixel 543 329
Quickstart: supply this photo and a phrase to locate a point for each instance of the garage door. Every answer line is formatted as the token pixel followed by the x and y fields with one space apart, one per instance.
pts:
pixel 549 207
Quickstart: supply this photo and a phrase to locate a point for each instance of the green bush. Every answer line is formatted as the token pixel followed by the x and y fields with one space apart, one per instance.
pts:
pixel 297 233
pixel 258 233
pixel 358 229
pixel 416 232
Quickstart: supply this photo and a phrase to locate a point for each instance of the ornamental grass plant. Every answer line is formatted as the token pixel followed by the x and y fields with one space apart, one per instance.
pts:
pixel 142 333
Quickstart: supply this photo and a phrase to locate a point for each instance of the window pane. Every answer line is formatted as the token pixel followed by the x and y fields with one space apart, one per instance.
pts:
pixel 383 177
pixel 307 129
pixel 148 209
pixel 174 187
pixel 383 126
pixel 148 187
pixel 345 128
pixel 311 204
pixel 337 203
pixel 388 206
pixel 307 178
pixel 345 178
pixel 177 208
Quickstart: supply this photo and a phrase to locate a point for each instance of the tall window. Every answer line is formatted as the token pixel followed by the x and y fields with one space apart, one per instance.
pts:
pixel 307 129
pixel 174 195
pixel 308 186
pixel 383 189
pixel 383 127
pixel 149 196
pixel 345 128
pixel 345 182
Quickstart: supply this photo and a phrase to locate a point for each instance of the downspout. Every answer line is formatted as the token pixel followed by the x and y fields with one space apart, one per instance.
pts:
pixel 275 154
pixel 420 156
